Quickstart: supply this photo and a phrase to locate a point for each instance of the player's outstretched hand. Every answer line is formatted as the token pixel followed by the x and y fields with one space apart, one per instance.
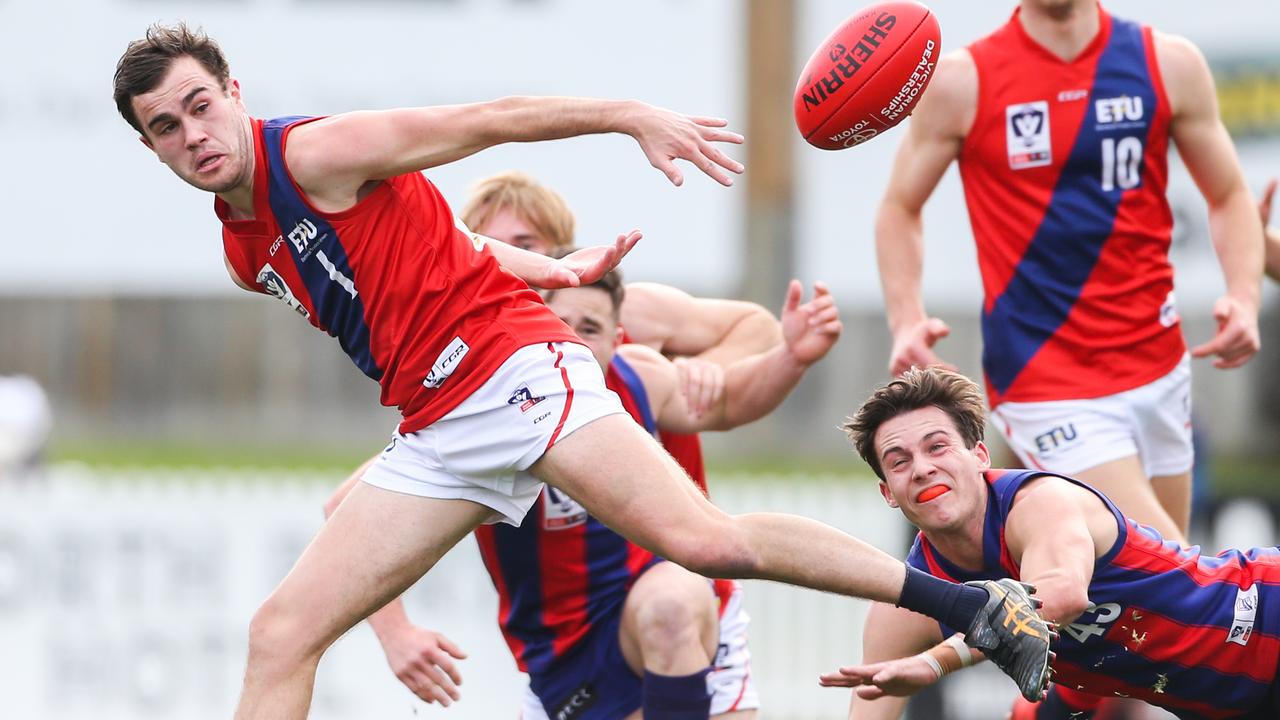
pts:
pixel 423 660
pixel 667 136
pixel 701 381
pixel 1237 338
pixel 899 678
pixel 913 346
pixel 811 329
pixel 585 266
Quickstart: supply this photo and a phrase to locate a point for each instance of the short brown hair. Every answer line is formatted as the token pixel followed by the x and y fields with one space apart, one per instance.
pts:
pixel 611 283
pixel 145 62
pixel 533 202
pixel 918 388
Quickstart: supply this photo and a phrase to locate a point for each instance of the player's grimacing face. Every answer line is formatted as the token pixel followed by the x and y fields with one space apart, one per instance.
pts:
pixel 196 128
pixel 588 311
pixel 508 227
pixel 929 473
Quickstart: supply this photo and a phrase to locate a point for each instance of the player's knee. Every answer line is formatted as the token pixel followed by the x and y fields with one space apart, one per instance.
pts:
pixel 677 614
pixel 278 635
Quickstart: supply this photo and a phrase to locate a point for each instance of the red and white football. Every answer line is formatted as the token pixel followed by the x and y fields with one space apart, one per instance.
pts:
pixel 867 75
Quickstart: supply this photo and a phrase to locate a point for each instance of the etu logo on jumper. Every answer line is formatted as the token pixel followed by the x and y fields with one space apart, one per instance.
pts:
pixel 1118 112
pixel 1027 135
pixel 302 234
pixel 1056 438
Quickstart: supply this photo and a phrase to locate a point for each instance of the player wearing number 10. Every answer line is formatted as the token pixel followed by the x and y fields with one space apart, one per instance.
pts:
pixel 1060 122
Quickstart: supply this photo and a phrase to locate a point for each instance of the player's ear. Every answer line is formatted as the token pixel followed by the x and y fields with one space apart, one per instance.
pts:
pixel 143 139
pixel 233 89
pixel 983 455
pixel 888 496
pixel 618 334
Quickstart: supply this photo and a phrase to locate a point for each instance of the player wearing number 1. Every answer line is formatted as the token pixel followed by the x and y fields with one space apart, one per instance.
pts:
pixel 333 216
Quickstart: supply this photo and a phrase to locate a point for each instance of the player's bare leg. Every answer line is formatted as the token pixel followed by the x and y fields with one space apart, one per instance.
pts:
pixel 623 477
pixel 1125 482
pixel 670 622
pixel 1174 492
pixel 374 546
pixel 668 635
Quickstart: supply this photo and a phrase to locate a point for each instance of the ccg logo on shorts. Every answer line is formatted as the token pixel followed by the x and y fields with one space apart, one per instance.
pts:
pixel 1027 135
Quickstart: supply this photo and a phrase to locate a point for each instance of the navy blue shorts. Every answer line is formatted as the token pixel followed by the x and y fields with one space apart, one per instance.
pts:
pixel 593 681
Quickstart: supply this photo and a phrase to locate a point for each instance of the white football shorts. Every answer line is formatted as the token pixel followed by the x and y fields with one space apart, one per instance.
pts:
pixel 1067 436
pixel 482 449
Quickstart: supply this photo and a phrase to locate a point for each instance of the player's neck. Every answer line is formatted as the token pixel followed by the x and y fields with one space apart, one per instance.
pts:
pixel 1065 31
pixel 962 546
pixel 240 198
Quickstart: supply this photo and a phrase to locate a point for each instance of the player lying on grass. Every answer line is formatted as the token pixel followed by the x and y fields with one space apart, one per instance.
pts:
pixel 1141 617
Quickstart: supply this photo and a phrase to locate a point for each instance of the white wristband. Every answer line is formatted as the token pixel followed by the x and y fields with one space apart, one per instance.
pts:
pixel 933 663
pixel 957 644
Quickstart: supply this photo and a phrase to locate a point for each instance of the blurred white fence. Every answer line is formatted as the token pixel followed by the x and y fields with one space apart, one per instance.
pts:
pixel 128 595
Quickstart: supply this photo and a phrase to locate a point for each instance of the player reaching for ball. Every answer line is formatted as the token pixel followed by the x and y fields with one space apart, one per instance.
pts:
pixel 332 216
pixel 1140 616
pixel 1060 122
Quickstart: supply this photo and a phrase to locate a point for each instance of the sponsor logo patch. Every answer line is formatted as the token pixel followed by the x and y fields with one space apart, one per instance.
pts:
pixel 446 363
pixel 1246 612
pixel 275 286
pixel 1027 135
pixel 524 399
pixel 561 511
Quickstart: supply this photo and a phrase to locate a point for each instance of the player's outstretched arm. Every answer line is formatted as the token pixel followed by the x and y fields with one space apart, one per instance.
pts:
pixel 891 668
pixel 347 150
pixel 422 659
pixel 580 267
pixel 754 385
pixel 1055 531
pixel 934 139
pixel 705 334
pixel 1210 157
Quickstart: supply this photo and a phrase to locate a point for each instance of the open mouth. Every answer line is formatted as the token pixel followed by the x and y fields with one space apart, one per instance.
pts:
pixel 208 163
pixel 932 493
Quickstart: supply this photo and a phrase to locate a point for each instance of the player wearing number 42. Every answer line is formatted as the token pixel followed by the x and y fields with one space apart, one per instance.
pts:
pixel 1140 616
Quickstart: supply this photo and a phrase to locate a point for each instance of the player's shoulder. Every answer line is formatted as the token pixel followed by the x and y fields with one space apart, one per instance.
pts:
pixel 1177 55
pixel 949 102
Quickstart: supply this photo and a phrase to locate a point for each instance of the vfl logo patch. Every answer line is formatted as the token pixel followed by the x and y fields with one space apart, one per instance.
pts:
pixel 444 365
pixel 1246 611
pixel 274 285
pixel 524 398
pixel 1169 311
pixel 1027 135
pixel 560 511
